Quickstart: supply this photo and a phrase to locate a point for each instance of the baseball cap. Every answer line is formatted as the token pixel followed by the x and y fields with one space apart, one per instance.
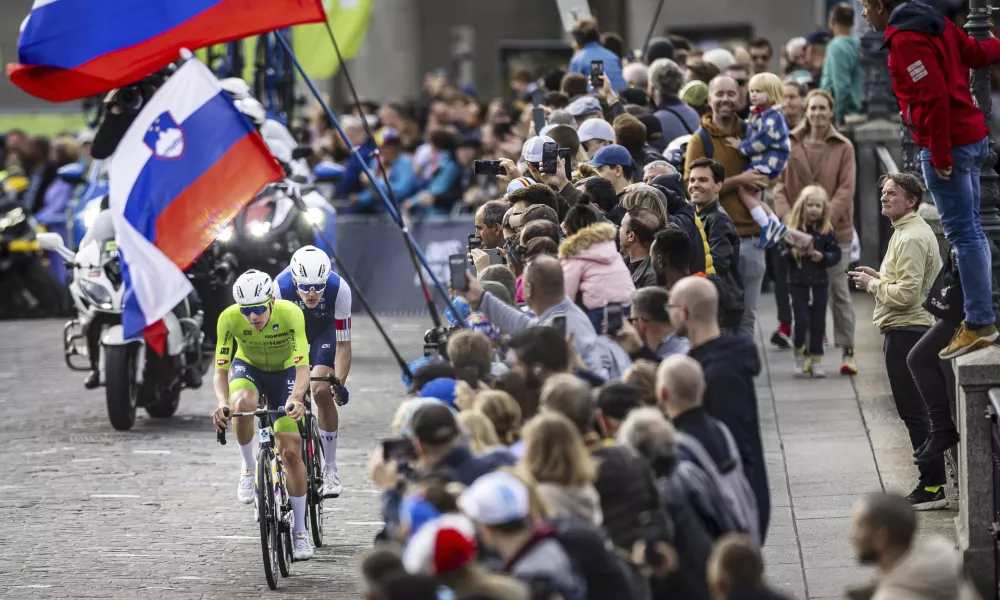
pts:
pixel 818 36
pixel 695 94
pixel 613 155
pixel 617 399
pixel 495 498
pixel 442 388
pixel 386 135
pixel 584 105
pixel 636 96
pixel 442 545
pixel 518 183
pixel 406 427
pixel 434 424
pixel 654 129
pixel 596 129
pixel 531 151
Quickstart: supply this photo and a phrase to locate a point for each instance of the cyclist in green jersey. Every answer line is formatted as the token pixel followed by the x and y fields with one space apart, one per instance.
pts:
pixel 262 350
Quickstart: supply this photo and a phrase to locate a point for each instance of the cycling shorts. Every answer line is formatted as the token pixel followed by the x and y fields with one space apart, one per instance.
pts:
pixel 323 349
pixel 275 386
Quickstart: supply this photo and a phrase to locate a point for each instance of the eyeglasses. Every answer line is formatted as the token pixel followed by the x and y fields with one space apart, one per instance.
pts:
pixel 256 309
pixel 305 288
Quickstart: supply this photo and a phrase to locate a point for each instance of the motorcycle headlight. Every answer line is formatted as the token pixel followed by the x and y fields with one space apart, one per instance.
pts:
pixel 97 293
pixel 225 235
pixel 259 228
pixel 13 217
pixel 315 216
pixel 90 213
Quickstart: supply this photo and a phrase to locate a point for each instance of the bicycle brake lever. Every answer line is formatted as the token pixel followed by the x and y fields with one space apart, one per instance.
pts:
pixel 221 435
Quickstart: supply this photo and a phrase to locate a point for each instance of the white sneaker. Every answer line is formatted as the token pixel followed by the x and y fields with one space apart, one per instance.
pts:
pixel 246 490
pixel 302 548
pixel 331 484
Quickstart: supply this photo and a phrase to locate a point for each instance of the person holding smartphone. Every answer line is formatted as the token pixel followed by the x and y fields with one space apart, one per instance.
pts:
pixel 587 39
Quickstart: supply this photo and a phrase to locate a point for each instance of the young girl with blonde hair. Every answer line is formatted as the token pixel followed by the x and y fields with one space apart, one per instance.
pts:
pixel 808 281
pixel 767 146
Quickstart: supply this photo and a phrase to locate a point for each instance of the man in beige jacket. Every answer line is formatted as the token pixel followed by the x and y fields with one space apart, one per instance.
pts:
pixel 900 287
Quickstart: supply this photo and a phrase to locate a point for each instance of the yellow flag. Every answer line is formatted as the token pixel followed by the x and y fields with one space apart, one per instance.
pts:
pixel 349 20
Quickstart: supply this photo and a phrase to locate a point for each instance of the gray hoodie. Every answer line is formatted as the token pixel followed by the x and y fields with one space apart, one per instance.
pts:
pixel 931 570
pixel 573 501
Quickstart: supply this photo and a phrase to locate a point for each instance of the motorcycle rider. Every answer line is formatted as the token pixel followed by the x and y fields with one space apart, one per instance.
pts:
pixel 309 282
pixel 262 349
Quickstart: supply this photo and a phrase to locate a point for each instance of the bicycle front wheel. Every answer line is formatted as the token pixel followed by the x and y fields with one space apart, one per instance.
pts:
pixel 314 462
pixel 266 510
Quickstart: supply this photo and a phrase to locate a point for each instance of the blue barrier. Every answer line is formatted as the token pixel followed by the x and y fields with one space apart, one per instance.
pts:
pixel 374 253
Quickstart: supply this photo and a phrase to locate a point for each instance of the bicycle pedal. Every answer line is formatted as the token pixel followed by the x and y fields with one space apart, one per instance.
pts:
pixel 331 496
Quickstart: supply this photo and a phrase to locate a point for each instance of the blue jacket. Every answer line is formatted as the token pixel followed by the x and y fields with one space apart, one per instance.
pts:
pixel 766 143
pixel 580 63
pixel 402 181
pixel 351 180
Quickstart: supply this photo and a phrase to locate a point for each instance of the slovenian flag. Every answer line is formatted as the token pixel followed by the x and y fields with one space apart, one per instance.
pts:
pixel 189 163
pixel 71 49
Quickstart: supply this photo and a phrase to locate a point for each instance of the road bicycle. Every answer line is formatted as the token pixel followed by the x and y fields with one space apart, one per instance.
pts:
pixel 314 459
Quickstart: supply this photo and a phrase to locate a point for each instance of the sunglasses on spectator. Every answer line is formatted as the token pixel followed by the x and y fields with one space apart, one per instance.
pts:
pixel 255 309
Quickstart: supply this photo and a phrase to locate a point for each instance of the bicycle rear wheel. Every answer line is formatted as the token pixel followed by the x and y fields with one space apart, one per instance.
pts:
pixel 269 542
pixel 284 530
pixel 314 462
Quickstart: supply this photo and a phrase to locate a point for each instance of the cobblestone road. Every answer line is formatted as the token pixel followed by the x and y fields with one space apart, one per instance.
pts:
pixel 88 512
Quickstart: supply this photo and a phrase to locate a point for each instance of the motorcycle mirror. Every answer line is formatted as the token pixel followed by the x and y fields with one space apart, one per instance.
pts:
pixel 72 173
pixel 53 242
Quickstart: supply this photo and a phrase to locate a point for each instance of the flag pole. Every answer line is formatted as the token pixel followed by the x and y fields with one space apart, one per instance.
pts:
pixel 368 173
pixel 438 327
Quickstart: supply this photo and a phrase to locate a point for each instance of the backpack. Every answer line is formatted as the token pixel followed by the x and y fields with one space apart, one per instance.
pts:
pixel 596 560
pixel 706 140
pixel 729 479
pixel 679 118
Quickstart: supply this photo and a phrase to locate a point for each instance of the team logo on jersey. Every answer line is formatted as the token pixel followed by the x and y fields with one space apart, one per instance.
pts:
pixel 247 332
pixel 274 327
pixel 298 359
pixel 222 362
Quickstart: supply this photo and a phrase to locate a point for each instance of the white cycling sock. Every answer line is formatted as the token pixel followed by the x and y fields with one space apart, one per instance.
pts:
pixel 299 513
pixel 329 441
pixel 760 216
pixel 246 451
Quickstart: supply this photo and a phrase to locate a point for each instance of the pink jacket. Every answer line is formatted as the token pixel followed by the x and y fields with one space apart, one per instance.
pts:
pixel 591 265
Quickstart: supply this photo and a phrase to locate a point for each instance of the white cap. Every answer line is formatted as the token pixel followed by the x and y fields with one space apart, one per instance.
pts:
pixel 442 545
pixel 596 129
pixel 495 499
pixel 531 151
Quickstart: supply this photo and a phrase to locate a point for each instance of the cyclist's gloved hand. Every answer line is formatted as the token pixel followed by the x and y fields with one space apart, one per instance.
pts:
pixel 343 397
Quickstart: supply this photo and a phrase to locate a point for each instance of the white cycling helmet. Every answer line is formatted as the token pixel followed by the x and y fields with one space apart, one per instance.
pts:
pixel 310 266
pixel 253 287
pixel 236 87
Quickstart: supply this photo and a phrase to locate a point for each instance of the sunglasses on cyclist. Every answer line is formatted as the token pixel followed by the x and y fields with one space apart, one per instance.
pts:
pixel 305 288
pixel 257 309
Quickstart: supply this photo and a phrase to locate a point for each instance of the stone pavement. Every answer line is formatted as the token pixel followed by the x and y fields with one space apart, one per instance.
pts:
pixel 828 442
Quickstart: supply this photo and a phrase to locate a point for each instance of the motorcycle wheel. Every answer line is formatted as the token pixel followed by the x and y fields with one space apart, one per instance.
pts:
pixel 165 405
pixel 120 385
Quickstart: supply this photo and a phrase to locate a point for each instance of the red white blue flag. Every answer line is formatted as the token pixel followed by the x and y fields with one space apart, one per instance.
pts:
pixel 189 163
pixel 71 49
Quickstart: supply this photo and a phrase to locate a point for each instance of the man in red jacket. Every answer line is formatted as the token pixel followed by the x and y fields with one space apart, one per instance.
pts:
pixel 929 59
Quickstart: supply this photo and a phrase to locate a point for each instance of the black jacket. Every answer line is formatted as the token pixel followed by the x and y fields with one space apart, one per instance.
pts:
pixel 730 363
pixel 682 213
pixel 724 243
pixel 802 270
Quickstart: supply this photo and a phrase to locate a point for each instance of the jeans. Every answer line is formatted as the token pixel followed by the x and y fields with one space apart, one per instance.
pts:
pixel 957 201
pixel 809 306
pixel 896 347
pixel 779 270
pixel 752 271
pixel 840 300
pixel 933 376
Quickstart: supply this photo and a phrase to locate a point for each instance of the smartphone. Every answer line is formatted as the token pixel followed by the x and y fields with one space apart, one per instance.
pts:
pixel 398 449
pixel 550 154
pixel 559 324
pixel 613 318
pixel 597 74
pixel 538 96
pixel 459 264
pixel 495 257
pixel 566 155
pixel 538 117
pixel 488 167
pixel 474 242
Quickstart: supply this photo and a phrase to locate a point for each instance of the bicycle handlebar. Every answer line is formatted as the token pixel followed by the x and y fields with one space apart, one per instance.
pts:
pixel 221 435
pixel 331 379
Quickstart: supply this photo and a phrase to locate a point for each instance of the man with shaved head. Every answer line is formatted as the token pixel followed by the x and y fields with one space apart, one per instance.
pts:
pixel 710 141
pixel 730 363
pixel 546 297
